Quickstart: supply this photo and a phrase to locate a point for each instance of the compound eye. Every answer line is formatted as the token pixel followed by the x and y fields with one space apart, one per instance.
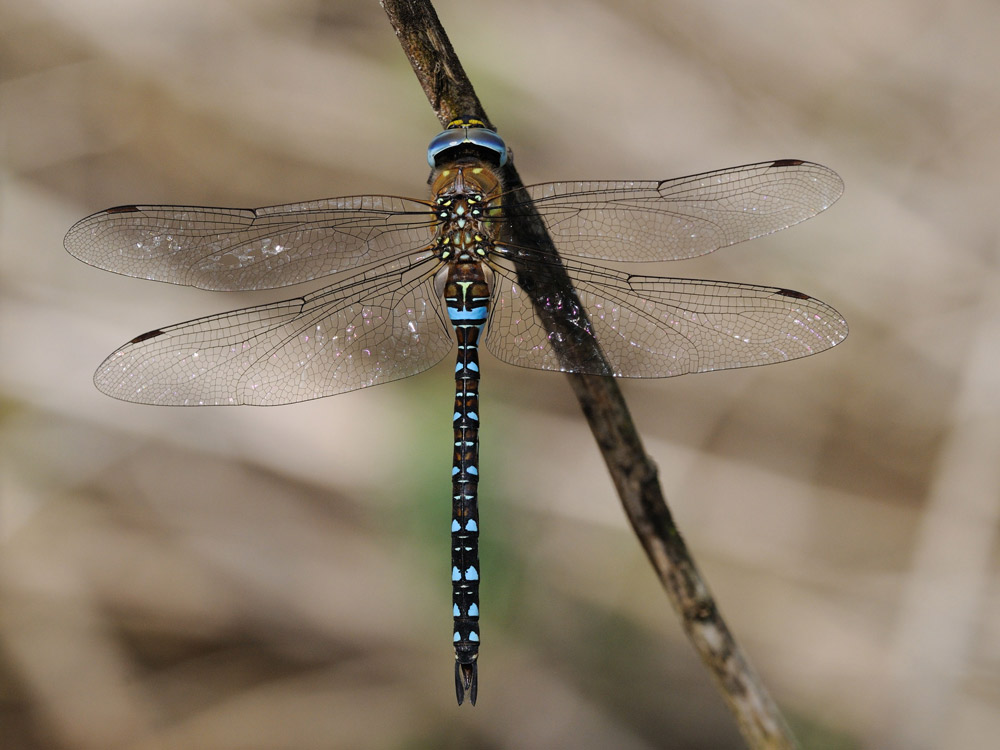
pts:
pixel 466 133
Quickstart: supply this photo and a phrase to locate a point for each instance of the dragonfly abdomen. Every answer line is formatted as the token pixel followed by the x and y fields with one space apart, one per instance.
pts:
pixel 466 294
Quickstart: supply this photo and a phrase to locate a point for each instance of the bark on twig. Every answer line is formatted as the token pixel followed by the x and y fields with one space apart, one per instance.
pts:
pixel 635 476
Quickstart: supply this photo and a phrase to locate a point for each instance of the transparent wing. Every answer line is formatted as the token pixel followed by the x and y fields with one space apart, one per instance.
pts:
pixel 227 249
pixel 365 330
pixel 652 327
pixel 683 217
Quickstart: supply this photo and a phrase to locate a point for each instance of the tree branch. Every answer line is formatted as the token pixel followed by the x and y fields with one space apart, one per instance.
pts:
pixel 451 94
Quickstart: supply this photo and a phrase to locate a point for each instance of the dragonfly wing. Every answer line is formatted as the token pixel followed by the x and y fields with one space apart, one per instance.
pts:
pixel 642 221
pixel 365 330
pixel 653 327
pixel 227 249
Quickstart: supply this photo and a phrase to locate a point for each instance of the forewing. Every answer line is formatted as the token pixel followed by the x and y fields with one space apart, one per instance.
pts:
pixel 653 327
pixel 681 218
pixel 362 331
pixel 226 249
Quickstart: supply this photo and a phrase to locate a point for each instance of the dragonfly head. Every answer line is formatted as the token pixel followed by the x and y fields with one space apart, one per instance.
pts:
pixel 467 137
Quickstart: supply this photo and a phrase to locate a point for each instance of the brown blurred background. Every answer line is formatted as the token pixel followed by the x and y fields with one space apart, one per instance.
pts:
pixel 277 578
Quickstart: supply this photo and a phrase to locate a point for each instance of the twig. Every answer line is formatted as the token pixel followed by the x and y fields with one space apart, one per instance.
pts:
pixel 451 94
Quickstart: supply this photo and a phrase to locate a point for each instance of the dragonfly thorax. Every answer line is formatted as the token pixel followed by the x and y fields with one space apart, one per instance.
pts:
pixel 466 178
pixel 466 199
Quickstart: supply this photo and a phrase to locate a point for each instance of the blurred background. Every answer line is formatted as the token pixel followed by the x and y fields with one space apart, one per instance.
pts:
pixel 278 578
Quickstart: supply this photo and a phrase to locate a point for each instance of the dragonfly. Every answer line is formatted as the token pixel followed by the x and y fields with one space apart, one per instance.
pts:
pixel 416 278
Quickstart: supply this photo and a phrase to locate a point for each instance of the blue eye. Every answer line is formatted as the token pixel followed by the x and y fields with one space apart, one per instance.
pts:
pixel 480 137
